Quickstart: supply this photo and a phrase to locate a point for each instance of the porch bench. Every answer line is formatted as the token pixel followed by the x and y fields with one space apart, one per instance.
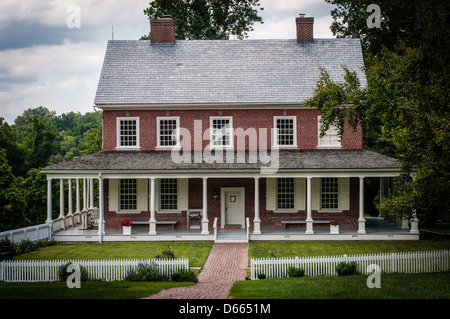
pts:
pixel 158 222
pixel 286 222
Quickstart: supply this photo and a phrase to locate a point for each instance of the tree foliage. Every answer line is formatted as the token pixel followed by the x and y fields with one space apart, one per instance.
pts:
pixel 406 102
pixel 207 19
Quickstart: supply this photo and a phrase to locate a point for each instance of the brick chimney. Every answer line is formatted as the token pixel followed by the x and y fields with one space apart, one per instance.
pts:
pixel 162 30
pixel 304 28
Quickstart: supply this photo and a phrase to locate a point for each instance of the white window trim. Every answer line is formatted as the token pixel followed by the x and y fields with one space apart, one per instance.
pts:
pixel 319 145
pixel 118 146
pixel 328 210
pixel 275 131
pixel 158 120
pixel 169 211
pixel 211 130
pixel 283 210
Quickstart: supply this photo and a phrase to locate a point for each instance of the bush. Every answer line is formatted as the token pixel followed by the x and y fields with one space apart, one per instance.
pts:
pixel 261 276
pixel 166 254
pixel 145 272
pixel 296 272
pixel 27 246
pixel 184 275
pixel 346 269
pixel 64 274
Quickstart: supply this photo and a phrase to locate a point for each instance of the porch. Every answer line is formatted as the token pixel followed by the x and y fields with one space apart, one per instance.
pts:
pixel 377 228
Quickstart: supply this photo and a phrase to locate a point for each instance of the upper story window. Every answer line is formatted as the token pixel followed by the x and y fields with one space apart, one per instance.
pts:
pixel 329 193
pixel 128 194
pixel 331 137
pixel 285 193
pixel 221 130
pixel 285 131
pixel 127 132
pixel 168 131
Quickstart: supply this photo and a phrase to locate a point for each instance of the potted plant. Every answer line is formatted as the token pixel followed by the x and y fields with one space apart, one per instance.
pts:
pixel 126 226
pixel 334 227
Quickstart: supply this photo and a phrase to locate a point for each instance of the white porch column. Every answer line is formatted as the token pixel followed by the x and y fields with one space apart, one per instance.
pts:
pixel 152 223
pixel 309 220
pixel 61 203
pixel 49 201
pixel 101 222
pixel 256 221
pixel 361 220
pixel 205 221
pixel 70 209
pixel 91 196
pixel 77 201
pixel 84 195
pixel 414 223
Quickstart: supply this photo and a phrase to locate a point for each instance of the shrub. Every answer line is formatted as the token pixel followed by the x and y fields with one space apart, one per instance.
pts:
pixel 27 246
pixel 296 272
pixel 261 276
pixel 64 274
pixel 346 269
pixel 166 254
pixel 184 275
pixel 145 272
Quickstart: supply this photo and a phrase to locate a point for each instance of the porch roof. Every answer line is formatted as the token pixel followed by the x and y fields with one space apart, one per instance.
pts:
pixel 245 161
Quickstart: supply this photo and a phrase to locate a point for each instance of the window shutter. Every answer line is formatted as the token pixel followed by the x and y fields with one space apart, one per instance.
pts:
pixel 299 194
pixel 315 193
pixel 183 194
pixel 270 193
pixel 344 193
pixel 157 183
pixel 113 195
pixel 142 195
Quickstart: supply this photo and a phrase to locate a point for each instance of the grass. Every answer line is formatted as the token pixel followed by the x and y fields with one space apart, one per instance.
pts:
pixel 197 252
pixel 88 290
pixel 393 286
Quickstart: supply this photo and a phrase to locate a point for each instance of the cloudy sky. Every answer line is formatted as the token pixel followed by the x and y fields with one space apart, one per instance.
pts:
pixel 51 51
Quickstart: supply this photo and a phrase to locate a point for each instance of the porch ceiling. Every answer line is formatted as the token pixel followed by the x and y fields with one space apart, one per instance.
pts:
pixel 300 161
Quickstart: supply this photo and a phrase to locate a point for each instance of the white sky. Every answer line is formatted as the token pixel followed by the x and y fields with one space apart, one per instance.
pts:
pixel 44 62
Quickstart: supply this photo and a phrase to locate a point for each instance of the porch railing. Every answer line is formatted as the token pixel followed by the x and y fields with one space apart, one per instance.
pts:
pixel 33 233
pixel 400 262
pixel 107 270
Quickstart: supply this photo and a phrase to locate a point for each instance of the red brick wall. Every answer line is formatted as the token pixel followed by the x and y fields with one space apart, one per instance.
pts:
pixel 307 129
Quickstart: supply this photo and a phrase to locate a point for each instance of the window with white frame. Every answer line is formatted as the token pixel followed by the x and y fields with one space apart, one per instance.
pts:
pixel 285 193
pixel 331 137
pixel 329 194
pixel 285 130
pixel 221 129
pixel 128 194
pixel 169 194
pixel 128 132
pixel 168 131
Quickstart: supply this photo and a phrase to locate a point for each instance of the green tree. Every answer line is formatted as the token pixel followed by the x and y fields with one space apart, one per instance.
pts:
pixel 92 141
pixel 207 19
pixel 9 141
pixel 34 190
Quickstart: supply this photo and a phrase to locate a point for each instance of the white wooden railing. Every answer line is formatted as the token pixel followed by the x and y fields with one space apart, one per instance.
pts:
pixel 33 233
pixel 400 262
pixel 215 228
pixel 107 270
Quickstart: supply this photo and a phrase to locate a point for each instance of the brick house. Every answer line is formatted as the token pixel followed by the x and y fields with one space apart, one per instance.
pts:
pixel 215 133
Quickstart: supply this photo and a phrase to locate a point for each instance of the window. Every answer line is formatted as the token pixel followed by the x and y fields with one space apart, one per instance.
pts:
pixel 128 132
pixel 128 194
pixel 169 194
pixel 285 193
pixel 221 131
pixel 331 137
pixel 329 198
pixel 286 131
pixel 168 131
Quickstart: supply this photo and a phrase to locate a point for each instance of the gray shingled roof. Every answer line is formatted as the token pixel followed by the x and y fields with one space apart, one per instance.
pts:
pixel 288 160
pixel 221 72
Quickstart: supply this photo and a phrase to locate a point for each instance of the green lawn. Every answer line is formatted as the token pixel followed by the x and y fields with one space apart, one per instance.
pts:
pixel 393 286
pixel 197 252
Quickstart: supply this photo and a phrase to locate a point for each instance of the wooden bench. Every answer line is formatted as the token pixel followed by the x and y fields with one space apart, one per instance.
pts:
pixel 158 222
pixel 287 222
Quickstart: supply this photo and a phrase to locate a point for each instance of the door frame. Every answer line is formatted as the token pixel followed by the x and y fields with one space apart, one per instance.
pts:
pixel 223 190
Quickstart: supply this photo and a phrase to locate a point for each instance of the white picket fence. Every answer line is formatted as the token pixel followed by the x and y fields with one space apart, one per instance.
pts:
pixel 107 270
pixel 400 262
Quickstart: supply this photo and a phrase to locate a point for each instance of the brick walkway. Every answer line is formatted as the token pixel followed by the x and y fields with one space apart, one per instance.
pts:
pixel 226 264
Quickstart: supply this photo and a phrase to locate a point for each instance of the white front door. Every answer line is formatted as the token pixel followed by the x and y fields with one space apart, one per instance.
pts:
pixel 233 206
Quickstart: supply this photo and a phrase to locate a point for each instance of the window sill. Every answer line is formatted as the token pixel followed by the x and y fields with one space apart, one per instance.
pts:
pixel 169 211
pixel 329 146
pixel 168 148
pixel 284 146
pixel 128 148
pixel 128 212
pixel 330 211
pixel 287 211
